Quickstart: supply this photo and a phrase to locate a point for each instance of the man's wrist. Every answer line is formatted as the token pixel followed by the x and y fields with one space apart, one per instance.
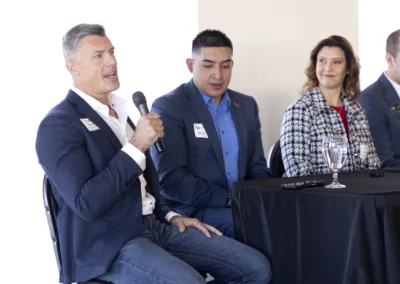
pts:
pixel 171 215
pixel 137 144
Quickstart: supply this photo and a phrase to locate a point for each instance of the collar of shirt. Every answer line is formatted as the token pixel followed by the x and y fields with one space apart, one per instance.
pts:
pixel 224 104
pixel 394 84
pixel 117 103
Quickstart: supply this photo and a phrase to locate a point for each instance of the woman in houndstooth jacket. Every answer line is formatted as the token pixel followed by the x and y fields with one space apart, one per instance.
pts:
pixel 328 107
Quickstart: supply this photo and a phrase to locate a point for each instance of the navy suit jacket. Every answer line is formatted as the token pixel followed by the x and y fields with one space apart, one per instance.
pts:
pixel 382 107
pixel 191 170
pixel 96 186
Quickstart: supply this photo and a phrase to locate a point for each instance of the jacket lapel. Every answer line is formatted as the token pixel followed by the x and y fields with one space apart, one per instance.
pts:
pixel 325 112
pixel 390 94
pixel 352 112
pixel 92 115
pixel 241 130
pixel 200 109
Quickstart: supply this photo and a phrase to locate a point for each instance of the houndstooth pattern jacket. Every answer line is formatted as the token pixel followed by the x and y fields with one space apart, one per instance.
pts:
pixel 308 120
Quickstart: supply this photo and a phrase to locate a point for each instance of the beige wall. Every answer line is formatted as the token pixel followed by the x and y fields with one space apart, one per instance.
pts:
pixel 272 40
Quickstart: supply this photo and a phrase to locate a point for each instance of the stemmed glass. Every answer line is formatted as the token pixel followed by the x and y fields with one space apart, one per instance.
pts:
pixel 334 151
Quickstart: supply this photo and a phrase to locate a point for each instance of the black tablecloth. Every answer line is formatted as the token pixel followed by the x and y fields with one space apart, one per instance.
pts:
pixel 324 236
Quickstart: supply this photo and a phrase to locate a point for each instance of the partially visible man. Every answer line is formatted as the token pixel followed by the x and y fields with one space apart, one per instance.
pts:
pixel 212 136
pixel 111 224
pixel 381 102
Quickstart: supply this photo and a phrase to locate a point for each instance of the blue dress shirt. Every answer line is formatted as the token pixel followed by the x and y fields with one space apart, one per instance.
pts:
pixel 225 126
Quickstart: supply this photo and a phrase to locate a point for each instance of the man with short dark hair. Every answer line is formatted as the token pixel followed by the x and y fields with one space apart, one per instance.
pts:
pixel 381 102
pixel 111 224
pixel 212 136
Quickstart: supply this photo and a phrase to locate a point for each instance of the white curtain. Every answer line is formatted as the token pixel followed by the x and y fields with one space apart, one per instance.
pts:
pixel 152 41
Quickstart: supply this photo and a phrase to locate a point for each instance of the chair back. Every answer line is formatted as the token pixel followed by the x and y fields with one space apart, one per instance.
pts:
pixel 274 161
pixel 51 208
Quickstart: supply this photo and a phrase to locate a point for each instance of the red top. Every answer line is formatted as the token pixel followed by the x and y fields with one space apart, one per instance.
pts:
pixel 342 112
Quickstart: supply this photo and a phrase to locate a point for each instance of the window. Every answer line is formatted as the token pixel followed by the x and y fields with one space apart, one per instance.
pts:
pixel 152 41
pixel 377 20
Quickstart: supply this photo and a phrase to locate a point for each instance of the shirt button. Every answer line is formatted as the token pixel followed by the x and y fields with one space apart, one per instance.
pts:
pixel 223 132
pixel 226 152
pixel 229 173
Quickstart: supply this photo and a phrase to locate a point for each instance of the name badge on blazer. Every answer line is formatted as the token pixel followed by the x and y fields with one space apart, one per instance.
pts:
pixel 395 108
pixel 363 151
pixel 199 131
pixel 89 125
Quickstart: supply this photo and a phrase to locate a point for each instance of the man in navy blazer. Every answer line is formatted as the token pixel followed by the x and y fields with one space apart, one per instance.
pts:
pixel 381 102
pixel 212 137
pixel 111 224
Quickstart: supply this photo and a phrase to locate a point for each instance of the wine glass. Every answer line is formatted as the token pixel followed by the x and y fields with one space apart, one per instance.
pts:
pixel 334 150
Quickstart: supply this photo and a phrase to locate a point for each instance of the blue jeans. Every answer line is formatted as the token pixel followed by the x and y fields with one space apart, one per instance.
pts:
pixel 220 218
pixel 161 254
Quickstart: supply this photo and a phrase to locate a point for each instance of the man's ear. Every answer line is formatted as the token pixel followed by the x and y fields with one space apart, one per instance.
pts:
pixel 390 60
pixel 189 63
pixel 72 68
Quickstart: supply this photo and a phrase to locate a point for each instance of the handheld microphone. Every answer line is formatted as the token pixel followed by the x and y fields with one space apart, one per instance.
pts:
pixel 140 102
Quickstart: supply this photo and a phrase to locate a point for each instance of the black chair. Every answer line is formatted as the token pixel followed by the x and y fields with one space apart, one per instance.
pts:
pixel 275 162
pixel 51 207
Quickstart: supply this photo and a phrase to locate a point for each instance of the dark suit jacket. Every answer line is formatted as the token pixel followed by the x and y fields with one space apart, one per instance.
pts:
pixel 96 186
pixel 191 170
pixel 378 101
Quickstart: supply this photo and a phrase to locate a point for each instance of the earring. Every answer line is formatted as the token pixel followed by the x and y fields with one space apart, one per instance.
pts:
pixel 348 72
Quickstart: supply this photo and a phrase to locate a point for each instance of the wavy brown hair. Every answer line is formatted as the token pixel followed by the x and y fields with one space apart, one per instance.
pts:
pixel 351 83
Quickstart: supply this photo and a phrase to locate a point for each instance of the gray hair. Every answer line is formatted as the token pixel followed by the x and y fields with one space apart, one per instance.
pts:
pixel 392 43
pixel 73 37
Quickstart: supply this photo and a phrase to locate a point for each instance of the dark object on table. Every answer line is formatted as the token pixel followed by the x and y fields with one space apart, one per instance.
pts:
pixel 377 173
pixel 303 184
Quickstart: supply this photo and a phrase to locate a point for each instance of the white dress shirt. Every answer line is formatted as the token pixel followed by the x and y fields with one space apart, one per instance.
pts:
pixel 394 84
pixel 124 132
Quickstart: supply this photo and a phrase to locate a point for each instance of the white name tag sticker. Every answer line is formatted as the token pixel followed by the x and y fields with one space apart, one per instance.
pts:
pixel 199 130
pixel 363 151
pixel 89 125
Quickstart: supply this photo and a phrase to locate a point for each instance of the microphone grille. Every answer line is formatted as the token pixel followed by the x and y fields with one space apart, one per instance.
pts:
pixel 138 98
